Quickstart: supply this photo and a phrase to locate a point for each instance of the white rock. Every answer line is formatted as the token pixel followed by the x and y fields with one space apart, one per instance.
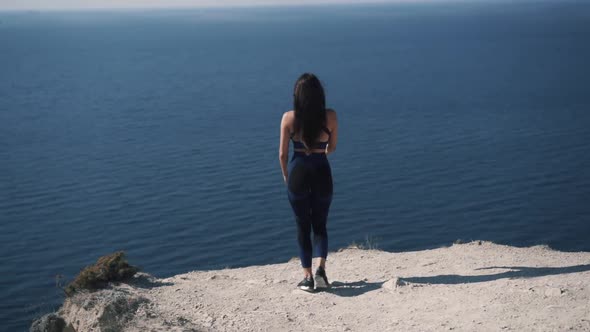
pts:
pixel 394 283
pixel 554 291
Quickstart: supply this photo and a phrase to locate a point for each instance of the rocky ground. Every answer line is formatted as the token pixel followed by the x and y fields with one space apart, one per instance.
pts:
pixel 477 286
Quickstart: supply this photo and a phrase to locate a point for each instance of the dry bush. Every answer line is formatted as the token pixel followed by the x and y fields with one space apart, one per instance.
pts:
pixel 113 267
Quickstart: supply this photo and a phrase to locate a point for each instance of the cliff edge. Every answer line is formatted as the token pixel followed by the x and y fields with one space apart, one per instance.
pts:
pixel 477 286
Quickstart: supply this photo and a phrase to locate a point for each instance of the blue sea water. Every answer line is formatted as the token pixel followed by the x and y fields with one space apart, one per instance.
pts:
pixel 156 132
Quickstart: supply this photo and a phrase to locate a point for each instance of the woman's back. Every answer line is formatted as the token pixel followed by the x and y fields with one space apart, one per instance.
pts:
pixel 327 137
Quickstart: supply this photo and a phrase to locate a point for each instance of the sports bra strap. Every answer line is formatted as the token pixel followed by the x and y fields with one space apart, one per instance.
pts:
pixel 324 128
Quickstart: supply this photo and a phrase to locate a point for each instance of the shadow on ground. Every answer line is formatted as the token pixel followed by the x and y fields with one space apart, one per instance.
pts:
pixel 515 272
pixel 355 288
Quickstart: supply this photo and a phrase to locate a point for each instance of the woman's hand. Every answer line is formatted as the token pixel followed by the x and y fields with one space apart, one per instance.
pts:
pixel 285 178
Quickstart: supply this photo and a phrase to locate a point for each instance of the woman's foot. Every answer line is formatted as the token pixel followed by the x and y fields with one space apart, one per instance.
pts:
pixel 321 279
pixel 306 284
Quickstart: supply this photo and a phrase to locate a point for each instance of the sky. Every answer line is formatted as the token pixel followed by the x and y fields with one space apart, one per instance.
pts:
pixel 93 4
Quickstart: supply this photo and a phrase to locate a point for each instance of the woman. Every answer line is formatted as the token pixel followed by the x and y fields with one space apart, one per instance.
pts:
pixel 314 132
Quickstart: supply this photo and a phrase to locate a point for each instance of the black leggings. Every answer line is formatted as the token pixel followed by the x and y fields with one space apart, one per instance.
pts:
pixel 310 195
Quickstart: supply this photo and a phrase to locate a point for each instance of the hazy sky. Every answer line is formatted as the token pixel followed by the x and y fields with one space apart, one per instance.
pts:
pixel 87 4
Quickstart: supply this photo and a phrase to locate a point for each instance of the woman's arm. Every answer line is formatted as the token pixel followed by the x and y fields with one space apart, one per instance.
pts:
pixel 284 145
pixel 333 126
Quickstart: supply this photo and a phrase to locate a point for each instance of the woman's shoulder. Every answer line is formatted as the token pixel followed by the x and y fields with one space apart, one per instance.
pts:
pixel 331 120
pixel 288 117
pixel 330 114
pixel 289 114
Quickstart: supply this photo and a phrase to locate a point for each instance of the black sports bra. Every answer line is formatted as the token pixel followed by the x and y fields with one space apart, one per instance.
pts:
pixel 318 145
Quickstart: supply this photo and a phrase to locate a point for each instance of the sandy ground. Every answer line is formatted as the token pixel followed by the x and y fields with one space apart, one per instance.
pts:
pixel 478 286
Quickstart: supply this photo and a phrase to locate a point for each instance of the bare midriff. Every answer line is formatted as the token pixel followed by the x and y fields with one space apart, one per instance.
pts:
pixel 310 151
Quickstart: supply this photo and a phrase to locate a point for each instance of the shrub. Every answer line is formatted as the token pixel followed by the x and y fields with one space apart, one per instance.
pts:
pixel 370 243
pixel 113 267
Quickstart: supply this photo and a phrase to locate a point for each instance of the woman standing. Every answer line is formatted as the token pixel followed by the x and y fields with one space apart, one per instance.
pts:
pixel 314 132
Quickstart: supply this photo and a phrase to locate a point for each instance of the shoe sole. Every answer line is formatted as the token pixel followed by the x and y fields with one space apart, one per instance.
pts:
pixel 320 283
pixel 306 289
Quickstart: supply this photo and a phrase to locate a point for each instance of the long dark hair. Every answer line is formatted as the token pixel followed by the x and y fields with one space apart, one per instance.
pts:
pixel 309 103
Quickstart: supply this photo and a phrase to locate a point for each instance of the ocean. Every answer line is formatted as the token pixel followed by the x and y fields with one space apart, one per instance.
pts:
pixel 156 132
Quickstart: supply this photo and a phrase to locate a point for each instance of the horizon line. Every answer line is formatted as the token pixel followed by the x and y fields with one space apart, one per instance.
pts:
pixel 217 5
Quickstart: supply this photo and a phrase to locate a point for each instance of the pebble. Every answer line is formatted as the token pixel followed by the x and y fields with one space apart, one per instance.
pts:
pixel 554 292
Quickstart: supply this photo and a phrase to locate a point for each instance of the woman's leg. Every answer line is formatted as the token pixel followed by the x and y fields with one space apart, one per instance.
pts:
pixel 321 262
pixel 304 240
pixel 299 197
pixel 319 220
pixel 321 198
